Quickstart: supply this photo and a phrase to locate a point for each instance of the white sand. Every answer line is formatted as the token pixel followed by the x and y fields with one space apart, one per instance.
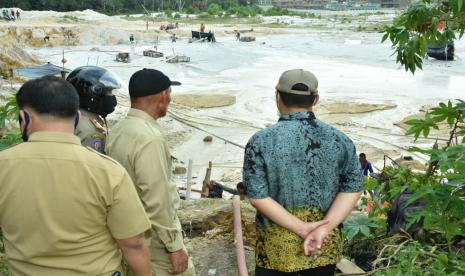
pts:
pixel 352 67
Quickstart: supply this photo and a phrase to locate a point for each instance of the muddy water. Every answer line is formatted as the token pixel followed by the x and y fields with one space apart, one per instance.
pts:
pixel 351 68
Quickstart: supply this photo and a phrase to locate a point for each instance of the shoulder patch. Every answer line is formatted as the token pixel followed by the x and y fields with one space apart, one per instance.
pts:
pixel 98 145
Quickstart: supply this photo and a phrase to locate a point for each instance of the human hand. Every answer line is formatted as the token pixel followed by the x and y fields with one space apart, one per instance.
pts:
pixel 308 227
pixel 179 261
pixel 315 240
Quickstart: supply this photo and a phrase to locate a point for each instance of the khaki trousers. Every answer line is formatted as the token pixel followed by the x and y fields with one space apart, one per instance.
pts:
pixel 161 262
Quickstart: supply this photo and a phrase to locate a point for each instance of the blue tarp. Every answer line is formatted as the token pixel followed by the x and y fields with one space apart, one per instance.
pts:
pixel 41 70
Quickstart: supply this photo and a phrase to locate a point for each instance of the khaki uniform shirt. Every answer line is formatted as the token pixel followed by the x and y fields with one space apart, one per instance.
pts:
pixel 138 144
pixel 91 131
pixel 62 206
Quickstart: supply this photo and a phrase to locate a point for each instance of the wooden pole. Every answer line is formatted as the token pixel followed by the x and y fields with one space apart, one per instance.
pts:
pixel 238 240
pixel 189 179
pixel 205 189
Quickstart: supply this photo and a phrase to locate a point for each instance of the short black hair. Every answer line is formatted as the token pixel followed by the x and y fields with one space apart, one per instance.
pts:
pixel 240 185
pixel 362 155
pixel 49 95
pixel 294 100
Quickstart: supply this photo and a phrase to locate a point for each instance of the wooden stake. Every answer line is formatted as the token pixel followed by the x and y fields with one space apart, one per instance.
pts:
pixel 205 189
pixel 189 179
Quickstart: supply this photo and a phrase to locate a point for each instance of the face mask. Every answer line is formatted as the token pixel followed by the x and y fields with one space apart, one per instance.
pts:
pixel 24 134
pixel 109 103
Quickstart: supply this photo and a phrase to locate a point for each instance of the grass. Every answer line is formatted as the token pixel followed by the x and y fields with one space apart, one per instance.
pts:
pixel 69 19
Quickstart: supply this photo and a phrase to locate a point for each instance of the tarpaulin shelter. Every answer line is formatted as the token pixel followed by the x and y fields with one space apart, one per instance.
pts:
pixel 41 70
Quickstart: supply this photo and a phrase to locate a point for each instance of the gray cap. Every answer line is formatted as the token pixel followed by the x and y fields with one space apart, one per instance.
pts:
pixel 292 77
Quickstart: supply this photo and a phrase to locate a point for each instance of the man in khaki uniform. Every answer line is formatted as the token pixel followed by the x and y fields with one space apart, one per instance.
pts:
pixel 94 86
pixel 138 144
pixel 66 209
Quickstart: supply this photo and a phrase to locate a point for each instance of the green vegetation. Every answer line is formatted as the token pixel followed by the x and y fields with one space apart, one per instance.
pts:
pixel 69 19
pixel 414 28
pixel 9 111
pixel 171 8
pixel 438 248
pixel 3 263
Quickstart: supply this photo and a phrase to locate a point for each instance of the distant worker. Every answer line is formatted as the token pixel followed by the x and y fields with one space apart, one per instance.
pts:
pixel 131 38
pixel 241 190
pixel 95 87
pixel 137 142
pixel 13 14
pixel 365 165
pixel 18 15
pixel 173 37
pixel 238 35
pixel 65 209
pixel 202 27
pixel 47 38
pixel 216 190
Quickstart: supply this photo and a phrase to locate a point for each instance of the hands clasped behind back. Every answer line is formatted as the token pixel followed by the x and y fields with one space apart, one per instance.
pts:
pixel 315 235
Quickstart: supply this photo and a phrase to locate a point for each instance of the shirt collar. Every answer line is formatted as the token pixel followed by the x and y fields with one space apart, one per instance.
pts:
pixel 134 112
pixel 88 113
pixel 51 136
pixel 291 116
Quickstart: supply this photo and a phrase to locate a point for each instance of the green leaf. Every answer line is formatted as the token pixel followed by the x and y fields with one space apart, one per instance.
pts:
pixel 361 224
pixel 365 230
pixel 351 234
pixel 385 36
pixel 443 258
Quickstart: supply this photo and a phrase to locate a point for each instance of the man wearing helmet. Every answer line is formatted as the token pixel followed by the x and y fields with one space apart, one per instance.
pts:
pixel 94 85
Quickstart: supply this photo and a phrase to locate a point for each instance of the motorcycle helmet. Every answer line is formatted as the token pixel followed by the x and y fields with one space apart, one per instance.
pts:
pixel 92 84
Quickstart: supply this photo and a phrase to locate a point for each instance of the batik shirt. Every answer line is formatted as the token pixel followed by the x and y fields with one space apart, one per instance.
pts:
pixel 302 163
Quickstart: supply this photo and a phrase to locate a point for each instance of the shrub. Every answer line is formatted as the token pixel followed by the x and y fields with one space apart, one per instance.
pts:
pixel 214 9
pixel 169 13
pixel 191 10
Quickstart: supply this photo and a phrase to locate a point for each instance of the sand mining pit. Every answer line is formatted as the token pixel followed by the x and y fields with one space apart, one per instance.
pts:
pixel 204 100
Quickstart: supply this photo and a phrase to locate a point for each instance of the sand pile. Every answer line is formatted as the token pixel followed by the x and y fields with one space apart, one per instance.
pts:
pixel 35 36
pixel 351 108
pixel 86 15
pixel 14 58
pixel 204 100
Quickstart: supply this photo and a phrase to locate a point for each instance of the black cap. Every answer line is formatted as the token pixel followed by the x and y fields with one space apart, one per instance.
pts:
pixel 147 82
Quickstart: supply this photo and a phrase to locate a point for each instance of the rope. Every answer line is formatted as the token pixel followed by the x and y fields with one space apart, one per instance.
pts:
pixel 191 123
pixel 204 130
